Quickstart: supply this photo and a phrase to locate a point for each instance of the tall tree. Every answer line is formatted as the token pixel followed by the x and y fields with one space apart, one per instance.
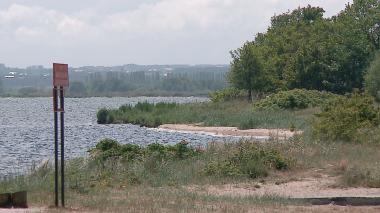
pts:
pixel 366 13
pixel 372 78
pixel 247 71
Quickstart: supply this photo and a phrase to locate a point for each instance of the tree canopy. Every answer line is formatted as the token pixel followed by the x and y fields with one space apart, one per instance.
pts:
pixel 247 70
pixel 372 78
pixel 303 49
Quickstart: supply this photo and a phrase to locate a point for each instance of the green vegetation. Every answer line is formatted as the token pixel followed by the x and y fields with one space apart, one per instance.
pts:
pixel 247 71
pixel 372 78
pixel 307 62
pixel 246 159
pixel 234 113
pixel 295 99
pixel 240 160
pixel 227 94
pixel 116 168
pixel 348 119
pixel 302 49
pixel 166 178
pixel 110 149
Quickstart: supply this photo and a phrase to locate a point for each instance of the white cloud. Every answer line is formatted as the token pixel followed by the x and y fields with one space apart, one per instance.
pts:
pixel 195 31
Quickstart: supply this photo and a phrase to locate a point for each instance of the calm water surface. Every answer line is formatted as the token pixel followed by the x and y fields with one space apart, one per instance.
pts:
pixel 26 129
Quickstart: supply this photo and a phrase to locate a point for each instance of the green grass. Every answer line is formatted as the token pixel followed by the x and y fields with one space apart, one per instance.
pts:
pixel 235 113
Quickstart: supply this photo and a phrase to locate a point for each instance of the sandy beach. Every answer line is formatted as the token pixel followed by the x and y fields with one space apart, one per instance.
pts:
pixel 231 131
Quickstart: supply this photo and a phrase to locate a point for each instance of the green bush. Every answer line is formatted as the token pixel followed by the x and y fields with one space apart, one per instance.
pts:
pixel 108 148
pixel 247 159
pixel 107 144
pixel 294 99
pixel 228 94
pixel 102 116
pixel 346 118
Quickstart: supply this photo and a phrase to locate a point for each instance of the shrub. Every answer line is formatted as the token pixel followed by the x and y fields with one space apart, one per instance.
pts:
pixel 108 148
pixel 294 99
pixel 247 159
pixel 228 94
pixel 346 118
pixel 107 144
pixel 103 116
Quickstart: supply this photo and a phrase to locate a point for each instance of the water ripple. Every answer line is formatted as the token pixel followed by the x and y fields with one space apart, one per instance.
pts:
pixel 26 129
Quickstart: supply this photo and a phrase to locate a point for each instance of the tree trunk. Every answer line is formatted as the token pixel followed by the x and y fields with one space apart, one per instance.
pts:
pixel 249 95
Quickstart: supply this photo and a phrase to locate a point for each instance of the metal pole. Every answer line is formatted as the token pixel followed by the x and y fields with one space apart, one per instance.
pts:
pixel 62 147
pixel 55 105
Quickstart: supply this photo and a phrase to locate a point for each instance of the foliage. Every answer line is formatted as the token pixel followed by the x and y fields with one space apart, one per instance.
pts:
pixel 247 70
pixel 372 78
pixel 247 159
pixel 294 99
pixel 227 94
pixel 301 49
pixel 345 118
pixel 234 113
pixel 244 159
pixel 104 116
pixel 110 149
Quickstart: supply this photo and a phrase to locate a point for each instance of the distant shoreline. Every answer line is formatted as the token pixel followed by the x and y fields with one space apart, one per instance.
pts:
pixel 105 96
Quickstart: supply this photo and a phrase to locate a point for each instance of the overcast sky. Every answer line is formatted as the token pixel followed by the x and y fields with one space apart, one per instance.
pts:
pixel 115 32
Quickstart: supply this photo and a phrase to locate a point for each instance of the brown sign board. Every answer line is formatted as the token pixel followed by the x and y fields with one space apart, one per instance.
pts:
pixel 60 75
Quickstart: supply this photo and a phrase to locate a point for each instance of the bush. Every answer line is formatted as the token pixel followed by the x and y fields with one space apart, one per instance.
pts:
pixel 346 118
pixel 111 149
pixel 103 116
pixel 247 159
pixel 228 94
pixel 107 144
pixel 294 99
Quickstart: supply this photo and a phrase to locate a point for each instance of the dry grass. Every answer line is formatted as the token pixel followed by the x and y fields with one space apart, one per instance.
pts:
pixel 168 199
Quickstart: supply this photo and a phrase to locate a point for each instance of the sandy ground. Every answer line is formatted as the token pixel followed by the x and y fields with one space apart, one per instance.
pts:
pixel 307 187
pixel 28 210
pixel 231 131
pixel 260 209
pixel 319 209
pixel 304 188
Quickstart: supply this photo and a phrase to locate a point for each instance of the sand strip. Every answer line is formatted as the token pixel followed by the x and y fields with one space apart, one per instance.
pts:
pixel 231 131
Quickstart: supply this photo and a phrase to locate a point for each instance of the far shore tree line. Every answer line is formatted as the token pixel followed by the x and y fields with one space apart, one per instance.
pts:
pixel 180 82
pixel 304 50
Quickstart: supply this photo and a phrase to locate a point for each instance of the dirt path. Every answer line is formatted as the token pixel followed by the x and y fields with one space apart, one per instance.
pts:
pixel 230 131
pixel 304 188
pixel 28 210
